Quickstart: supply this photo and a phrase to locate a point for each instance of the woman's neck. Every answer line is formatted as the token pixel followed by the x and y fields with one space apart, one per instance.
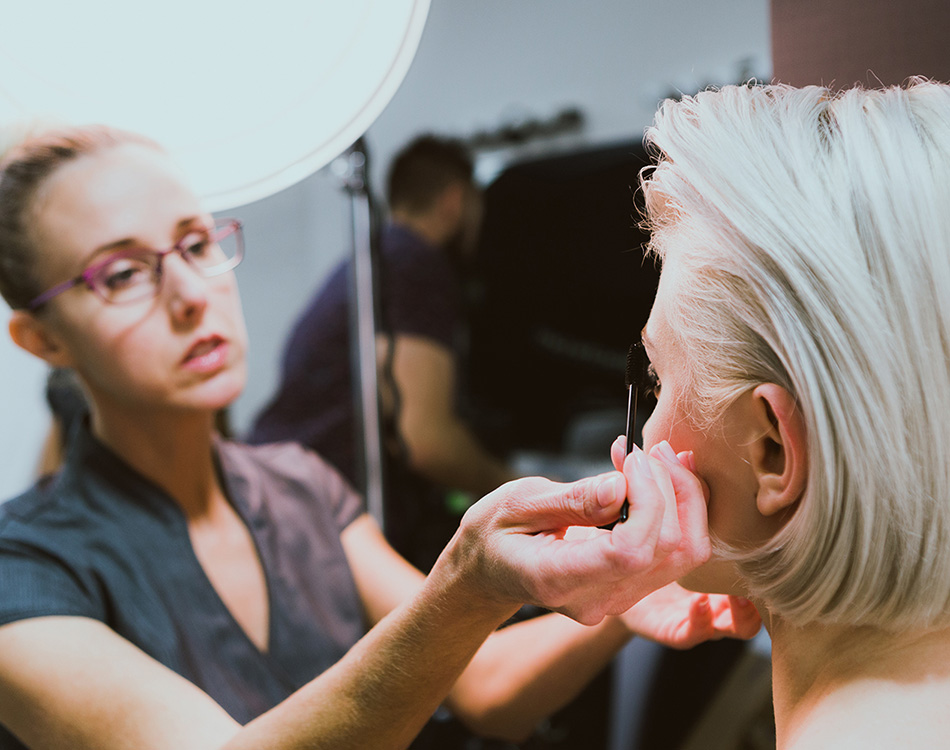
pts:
pixel 859 687
pixel 173 449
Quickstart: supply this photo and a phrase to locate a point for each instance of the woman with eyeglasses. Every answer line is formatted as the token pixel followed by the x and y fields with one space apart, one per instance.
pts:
pixel 800 339
pixel 170 589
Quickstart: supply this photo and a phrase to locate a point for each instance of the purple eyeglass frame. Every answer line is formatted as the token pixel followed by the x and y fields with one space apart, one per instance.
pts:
pixel 222 229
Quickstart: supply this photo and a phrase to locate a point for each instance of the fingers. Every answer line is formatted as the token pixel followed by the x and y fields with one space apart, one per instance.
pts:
pixel 746 620
pixel 670 532
pixel 534 504
pixel 734 617
pixel 701 614
pixel 618 452
pixel 690 505
pixel 517 537
pixel 588 576
pixel 640 534
pixel 687 459
pixel 699 625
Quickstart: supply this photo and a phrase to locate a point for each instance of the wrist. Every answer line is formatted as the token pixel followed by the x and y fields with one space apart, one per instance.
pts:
pixel 460 581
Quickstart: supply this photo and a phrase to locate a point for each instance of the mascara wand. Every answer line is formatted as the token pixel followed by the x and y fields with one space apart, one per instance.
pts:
pixel 634 360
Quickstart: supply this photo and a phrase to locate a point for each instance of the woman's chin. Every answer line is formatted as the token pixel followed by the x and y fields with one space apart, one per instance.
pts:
pixel 225 389
pixel 714 577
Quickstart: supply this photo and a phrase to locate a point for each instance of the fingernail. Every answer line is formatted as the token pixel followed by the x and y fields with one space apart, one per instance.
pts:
pixel 743 602
pixel 690 460
pixel 612 488
pixel 667 452
pixel 643 463
pixel 704 602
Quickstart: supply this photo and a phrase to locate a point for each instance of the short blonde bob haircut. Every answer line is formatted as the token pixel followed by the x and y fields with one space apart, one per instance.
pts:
pixel 810 235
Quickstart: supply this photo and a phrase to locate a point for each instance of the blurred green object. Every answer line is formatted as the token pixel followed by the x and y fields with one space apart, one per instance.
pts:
pixel 457 502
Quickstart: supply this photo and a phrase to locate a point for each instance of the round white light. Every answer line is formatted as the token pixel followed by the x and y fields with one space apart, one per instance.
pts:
pixel 249 97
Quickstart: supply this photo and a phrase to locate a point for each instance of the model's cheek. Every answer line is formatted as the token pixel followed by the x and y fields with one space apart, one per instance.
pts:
pixel 732 512
pixel 657 427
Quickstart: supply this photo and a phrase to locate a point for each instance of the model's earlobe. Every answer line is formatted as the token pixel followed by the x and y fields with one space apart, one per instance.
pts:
pixel 33 335
pixel 779 454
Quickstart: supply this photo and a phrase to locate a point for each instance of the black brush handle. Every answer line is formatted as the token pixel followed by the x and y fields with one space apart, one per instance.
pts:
pixel 630 376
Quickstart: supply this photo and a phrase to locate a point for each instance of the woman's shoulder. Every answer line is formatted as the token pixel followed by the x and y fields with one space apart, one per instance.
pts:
pixel 46 565
pixel 41 504
pixel 59 521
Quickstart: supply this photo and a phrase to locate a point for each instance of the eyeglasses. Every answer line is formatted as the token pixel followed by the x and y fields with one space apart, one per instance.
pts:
pixel 136 274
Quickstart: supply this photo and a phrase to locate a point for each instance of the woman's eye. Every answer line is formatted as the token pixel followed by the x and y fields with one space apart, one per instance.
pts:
pixel 196 247
pixel 125 273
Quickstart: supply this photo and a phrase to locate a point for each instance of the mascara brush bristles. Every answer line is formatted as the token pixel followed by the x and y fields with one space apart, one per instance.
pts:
pixel 629 374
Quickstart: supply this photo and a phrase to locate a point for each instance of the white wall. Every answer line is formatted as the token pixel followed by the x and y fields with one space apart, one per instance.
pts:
pixel 479 64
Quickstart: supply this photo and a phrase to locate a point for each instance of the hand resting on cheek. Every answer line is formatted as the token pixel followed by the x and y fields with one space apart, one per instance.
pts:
pixel 517 539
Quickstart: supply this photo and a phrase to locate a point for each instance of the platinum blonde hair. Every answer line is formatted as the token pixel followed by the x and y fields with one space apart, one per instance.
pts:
pixel 809 237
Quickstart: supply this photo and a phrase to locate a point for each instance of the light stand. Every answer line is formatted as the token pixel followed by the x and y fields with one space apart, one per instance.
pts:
pixel 363 328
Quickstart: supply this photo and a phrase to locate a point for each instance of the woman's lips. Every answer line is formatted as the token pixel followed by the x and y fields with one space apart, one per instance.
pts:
pixel 207 355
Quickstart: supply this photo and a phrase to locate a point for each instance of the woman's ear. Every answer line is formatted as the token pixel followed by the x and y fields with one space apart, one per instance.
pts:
pixel 779 454
pixel 33 335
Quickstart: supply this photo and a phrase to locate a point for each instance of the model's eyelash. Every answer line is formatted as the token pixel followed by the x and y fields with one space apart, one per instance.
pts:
pixel 651 384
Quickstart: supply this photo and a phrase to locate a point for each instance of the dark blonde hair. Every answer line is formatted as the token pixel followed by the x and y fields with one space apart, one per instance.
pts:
pixel 23 171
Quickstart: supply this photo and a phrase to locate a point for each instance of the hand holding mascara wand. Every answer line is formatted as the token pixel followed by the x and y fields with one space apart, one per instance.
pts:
pixel 632 378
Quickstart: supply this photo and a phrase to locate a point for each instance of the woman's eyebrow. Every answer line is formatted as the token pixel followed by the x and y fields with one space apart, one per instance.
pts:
pixel 203 219
pixel 128 242
pixel 109 247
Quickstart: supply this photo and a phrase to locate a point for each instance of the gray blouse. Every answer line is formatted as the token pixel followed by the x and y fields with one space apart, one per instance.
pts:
pixel 101 541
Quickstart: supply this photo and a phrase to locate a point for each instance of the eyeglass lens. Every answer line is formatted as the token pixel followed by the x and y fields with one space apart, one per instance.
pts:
pixel 135 274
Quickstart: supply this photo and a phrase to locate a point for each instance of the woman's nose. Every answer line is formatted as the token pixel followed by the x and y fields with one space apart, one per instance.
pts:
pixel 185 289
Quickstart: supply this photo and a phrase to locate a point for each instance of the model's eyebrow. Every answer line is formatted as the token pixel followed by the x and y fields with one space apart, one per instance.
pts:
pixel 645 339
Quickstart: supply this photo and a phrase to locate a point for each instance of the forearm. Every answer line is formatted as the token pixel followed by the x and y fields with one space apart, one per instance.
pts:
pixel 447 453
pixel 386 687
pixel 510 548
pixel 441 446
pixel 527 671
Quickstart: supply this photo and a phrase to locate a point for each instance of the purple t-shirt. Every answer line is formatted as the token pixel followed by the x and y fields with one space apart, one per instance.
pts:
pixel 419 292
pixel 101 541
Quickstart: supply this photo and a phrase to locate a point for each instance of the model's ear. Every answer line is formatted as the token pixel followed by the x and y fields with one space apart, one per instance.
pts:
pixel 779 454
pixel 34 335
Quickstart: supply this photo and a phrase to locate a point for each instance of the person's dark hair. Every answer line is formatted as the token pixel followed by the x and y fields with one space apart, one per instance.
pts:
pixel 23 170
pixel 423 169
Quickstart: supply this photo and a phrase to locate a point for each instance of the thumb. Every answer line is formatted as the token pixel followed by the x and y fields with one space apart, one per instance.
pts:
pixel 534 504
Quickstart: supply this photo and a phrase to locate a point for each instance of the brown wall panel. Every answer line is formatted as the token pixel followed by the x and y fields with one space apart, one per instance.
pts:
pixel 842 42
